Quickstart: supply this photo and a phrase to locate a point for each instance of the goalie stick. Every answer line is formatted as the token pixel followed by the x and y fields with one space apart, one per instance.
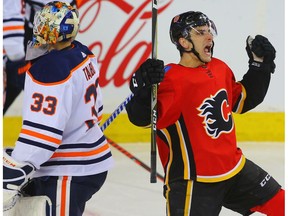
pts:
pixel 154 96
pixel 116 112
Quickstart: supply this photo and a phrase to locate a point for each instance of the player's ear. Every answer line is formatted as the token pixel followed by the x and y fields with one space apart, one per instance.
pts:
pixel 184 43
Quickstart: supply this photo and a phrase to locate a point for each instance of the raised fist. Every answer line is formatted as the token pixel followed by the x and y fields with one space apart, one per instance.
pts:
pixel 260 50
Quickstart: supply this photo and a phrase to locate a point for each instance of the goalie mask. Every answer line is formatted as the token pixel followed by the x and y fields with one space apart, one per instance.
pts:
pixel 182 24
pixel 55 22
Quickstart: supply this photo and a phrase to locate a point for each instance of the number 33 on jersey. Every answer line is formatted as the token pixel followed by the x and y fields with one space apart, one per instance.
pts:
pixel 61 111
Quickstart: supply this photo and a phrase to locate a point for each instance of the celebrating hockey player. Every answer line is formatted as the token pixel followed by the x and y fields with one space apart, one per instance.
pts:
pixel 61 152
pixel 204 168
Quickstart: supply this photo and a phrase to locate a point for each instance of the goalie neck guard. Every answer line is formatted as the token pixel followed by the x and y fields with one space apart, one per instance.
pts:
pixel 55 22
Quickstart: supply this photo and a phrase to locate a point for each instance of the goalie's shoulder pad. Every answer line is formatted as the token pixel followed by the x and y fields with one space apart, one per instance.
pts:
pixel 15 174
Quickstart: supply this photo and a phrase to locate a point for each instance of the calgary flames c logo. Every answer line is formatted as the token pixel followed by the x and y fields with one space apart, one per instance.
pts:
pixel 217 114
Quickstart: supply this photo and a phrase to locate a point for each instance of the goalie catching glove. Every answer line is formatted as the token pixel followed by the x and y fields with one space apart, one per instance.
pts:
pixel 150 72
pixel 15 176
pixel 261 53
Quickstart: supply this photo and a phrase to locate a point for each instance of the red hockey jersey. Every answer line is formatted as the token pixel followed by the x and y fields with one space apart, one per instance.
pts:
pixel 195 122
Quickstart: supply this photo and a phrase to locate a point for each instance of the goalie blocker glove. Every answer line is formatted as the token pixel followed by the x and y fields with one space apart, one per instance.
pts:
pixel 261 54
pixel 150 72
pixel 15 176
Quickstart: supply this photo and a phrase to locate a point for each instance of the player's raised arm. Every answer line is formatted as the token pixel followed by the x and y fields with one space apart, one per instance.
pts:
pixel 256 81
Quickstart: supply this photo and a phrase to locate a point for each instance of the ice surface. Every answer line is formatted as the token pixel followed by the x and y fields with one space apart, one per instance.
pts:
pixel 128 191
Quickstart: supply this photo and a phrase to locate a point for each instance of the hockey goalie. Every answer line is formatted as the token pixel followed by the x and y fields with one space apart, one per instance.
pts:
pixel 61 152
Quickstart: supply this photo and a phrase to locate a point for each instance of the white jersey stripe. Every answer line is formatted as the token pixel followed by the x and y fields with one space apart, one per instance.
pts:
pixel 63 195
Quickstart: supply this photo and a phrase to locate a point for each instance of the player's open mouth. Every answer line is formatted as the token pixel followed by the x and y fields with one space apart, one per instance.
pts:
pixel 207 49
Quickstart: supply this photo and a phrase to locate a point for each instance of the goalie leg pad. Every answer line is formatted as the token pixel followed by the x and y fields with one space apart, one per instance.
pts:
pixel 10 199
pixel 32 206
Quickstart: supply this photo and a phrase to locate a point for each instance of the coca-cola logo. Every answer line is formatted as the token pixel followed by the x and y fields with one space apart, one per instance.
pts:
pixel 114 31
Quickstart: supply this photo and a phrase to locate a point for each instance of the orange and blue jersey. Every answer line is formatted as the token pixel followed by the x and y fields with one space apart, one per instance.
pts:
pixel 61 112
